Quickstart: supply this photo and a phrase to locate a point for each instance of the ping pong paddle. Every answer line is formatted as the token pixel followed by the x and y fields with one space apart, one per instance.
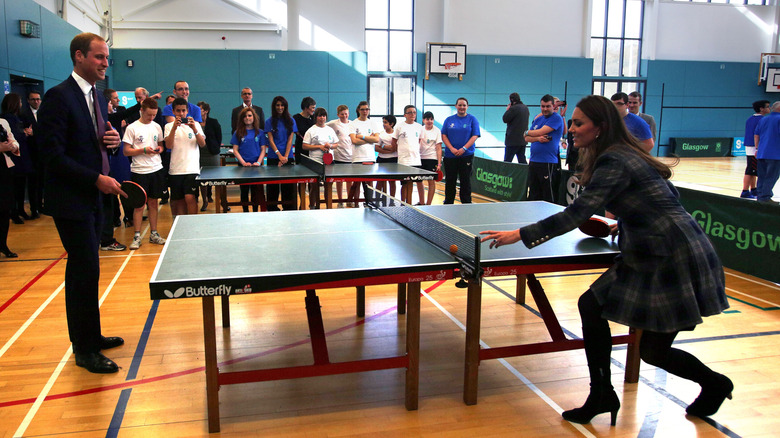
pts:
pixel 595 227
pixel 327 158
pixel 439 175
pixel 136 195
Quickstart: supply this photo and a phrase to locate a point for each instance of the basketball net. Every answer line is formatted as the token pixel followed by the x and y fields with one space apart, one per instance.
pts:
pixel 451 66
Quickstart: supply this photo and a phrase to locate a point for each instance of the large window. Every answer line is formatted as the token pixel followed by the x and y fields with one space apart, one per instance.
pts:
pixel 390 35
pixel 390 47
pixel 616 37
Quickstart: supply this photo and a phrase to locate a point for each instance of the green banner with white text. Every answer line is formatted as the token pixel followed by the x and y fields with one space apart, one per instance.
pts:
pixel 499 180
pixel 745 233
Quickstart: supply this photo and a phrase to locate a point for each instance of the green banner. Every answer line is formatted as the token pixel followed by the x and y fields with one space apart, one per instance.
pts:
pixel 701 147
pixel 499 180
pixel 745 234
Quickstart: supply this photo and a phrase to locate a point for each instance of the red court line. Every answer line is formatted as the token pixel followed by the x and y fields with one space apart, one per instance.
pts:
pixel 30 283
pixel 133 383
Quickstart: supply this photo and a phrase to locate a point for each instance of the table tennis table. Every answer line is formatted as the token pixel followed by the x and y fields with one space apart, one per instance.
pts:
pixel 366 247
pixel 308 171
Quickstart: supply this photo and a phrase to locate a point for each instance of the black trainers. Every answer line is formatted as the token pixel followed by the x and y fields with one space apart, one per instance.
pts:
pixel 113 246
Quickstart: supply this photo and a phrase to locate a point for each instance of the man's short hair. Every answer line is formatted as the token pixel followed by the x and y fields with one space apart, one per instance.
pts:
pixel 320 112
pixel 759 104
pixel 428 115
pixel 81 43
pixel 514 99
pixel 307 102
pixel 619 96
pixel 635 94
pixel 776 106
pixel 39 93
pixel 177 83
pixel 149 103
pixel 341 108
pixel 170 96
pixel 108 92
pixel 406 108
pixel 179 101
pixel 548 98
pixel 143 90
pixel 204 106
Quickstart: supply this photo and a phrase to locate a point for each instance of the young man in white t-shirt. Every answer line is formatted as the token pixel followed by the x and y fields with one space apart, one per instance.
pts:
pixel 184 137
pixel 143 142
pixel 363 136
pixel 430 153
pixel 318 139
pixel 407 140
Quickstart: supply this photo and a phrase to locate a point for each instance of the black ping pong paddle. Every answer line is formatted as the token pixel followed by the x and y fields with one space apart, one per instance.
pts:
pixel 136 195
pixel 327 158
pixel 595 227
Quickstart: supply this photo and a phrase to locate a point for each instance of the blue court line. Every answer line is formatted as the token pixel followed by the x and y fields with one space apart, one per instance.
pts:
pixel 124 396
pixel 648 428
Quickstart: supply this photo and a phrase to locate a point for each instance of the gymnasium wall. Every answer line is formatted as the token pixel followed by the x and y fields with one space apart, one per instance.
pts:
pixel 45 58
pixel 217 76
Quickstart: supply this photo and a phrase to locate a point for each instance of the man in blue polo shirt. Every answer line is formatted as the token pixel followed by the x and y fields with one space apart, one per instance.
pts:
pixel 767 141
pixel 544 136
pixel 182 89
pixel 635 125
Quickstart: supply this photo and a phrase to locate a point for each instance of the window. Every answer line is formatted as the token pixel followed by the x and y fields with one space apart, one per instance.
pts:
pixel 390 35
pixel 390 48
pixel 728 2
pixel 616 46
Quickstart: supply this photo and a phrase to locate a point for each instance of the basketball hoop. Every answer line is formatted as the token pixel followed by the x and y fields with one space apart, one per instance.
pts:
pixel 450 66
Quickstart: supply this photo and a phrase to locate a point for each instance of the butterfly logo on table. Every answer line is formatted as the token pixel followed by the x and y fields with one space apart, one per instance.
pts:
pixel 176 294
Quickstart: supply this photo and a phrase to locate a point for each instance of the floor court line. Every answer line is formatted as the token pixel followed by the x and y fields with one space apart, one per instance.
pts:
pixel 30 283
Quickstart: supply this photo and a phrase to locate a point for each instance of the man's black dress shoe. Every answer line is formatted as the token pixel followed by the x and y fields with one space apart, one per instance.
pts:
pixel 107 342
pixel 17 220
pixel 96 363
pixel 24 215
pixel 35 215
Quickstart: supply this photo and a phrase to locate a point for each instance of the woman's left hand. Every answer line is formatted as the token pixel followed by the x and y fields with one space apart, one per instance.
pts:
pixel 499 238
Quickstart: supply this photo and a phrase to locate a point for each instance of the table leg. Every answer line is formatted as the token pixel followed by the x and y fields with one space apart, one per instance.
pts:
pixel 360 301
pixel 401 298
pixel 319 347
pixel 413 346
pixel 303 205
pixel 225 299
pixel 212 370
pixel 520 289
pixel 632 356
pixel 543 304
pixel 473 316
pixel 328 195
pixel 220 193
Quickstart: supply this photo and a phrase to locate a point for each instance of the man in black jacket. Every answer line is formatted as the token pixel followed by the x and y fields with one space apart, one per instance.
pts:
pixel 246 96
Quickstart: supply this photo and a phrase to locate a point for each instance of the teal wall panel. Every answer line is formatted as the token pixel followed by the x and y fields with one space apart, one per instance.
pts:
pixel 25 55
pixel 56 35
pixel 4 43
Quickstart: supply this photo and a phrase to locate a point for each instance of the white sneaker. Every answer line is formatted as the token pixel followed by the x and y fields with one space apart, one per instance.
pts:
pixel 156 238
pixel 136 242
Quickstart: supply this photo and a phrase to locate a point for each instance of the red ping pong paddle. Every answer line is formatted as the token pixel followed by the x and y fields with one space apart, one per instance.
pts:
pixel 368 163
pixel 439 175
pixel 136 195
pixel 595 227
pixel 327 158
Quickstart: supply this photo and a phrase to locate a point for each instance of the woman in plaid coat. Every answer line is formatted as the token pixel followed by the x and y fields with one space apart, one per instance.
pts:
pixel 667 276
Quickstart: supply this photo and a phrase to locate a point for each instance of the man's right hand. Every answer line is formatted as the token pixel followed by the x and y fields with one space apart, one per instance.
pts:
pixel 109 186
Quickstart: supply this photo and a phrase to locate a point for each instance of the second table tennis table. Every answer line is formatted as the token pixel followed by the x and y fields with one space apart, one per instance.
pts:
pixel 364 247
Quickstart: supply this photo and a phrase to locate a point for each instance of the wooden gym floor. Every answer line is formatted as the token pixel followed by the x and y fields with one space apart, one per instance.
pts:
pixel 160 389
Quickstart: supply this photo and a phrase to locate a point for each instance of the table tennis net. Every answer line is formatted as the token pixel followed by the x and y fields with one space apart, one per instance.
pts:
pixel 440 233
pixel 315 166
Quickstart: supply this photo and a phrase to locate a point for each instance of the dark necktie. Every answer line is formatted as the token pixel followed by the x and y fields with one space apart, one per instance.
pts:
pixel 101 131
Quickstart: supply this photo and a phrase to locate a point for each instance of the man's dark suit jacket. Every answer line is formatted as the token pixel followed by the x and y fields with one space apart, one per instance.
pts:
pixel 71 152
pixel 29 120
pixel 237 110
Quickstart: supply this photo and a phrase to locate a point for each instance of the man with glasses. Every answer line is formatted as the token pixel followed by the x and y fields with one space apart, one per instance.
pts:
pixel 635 125
pixel 182 89
pixel 634 104
pixel 246 97
pixel 29 117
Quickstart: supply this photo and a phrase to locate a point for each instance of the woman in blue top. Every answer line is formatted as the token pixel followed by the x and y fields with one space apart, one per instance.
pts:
pixel 281 129
pixel 249 146
pixel 458 133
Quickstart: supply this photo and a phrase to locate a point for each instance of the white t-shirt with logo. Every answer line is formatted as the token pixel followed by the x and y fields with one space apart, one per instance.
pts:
pixel 408 137
pixel 365 152
pixel 138 136
pixel 185 154
pixel 386 140
pixel 344 151
pixel 430 138
pixel 319 136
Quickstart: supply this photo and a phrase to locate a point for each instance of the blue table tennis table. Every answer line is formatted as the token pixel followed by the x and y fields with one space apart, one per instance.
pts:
pixel 366 247
pixel 308 171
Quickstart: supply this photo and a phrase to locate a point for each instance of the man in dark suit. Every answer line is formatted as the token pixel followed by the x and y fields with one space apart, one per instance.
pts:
pixel 74 137
pixel 29 116
pixel 134 112
pixel 246 96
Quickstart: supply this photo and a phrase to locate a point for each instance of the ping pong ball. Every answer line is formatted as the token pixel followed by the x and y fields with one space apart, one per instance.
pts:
pixel 453 248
